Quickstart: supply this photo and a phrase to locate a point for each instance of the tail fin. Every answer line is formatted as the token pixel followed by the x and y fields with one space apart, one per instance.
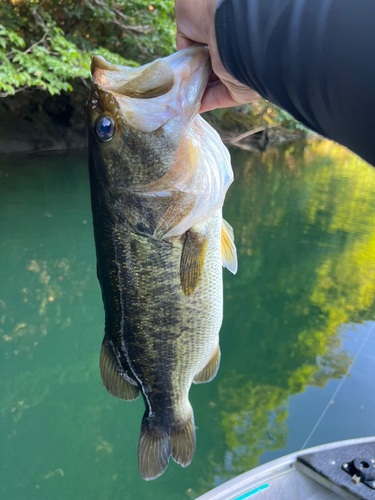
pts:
pixel 153 450
pixel 157 444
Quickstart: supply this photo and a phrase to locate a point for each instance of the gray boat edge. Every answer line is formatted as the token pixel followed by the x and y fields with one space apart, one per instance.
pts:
pixel 255 478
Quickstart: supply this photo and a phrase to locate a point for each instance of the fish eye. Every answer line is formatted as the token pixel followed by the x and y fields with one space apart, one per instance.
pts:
pixel 105 128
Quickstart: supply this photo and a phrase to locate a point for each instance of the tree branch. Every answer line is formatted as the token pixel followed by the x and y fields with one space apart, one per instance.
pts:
pixel 36 43
pixel 19 89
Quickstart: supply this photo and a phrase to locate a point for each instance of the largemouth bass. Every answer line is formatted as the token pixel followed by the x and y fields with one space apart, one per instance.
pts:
pixel 158 178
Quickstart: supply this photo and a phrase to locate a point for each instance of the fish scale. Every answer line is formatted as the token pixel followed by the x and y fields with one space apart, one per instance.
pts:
pixel 159 322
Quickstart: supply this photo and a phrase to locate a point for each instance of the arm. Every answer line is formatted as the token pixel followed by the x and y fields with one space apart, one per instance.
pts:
pixel 314 58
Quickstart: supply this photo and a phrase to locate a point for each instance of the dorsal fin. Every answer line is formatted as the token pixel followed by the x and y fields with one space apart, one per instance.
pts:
pixel 192 260
pixel 210 370
pixel 228 248
pixel 113 381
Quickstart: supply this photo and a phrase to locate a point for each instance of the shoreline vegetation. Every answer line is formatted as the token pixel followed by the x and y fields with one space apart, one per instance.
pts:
pixel 45 54
pixel 33 121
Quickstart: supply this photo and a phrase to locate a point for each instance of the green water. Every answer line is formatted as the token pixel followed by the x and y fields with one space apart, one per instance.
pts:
pixel 296 319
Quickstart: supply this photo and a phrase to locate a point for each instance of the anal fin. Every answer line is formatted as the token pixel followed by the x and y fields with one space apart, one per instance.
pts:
pixel 113 381
pixel 228 248
pixel 210 370
pixel 192 260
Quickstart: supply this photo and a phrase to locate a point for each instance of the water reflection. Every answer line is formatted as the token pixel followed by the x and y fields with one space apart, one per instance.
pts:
pixel 303 217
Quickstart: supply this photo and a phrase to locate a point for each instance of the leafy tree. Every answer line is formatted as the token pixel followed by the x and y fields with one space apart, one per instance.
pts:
pixel 47 44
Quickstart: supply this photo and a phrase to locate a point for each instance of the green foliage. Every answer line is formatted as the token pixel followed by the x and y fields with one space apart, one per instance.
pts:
pixel 48 44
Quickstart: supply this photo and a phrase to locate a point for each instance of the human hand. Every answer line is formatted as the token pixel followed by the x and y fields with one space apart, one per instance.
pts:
pixel 196 23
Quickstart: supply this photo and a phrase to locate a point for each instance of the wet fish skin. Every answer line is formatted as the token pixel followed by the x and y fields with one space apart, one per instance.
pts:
pixel 169 337
pixel 159 336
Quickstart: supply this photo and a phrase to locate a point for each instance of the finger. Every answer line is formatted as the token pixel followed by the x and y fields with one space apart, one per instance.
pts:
pixel 216 97
pixel 182 41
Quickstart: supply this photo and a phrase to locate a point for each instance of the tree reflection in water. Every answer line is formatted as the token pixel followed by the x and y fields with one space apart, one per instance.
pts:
pixel 304 222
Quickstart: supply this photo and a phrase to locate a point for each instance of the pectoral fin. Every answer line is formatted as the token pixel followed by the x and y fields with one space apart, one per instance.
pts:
pixel 228 248
pixel 210 370
pixel 192 260
pixel 113 381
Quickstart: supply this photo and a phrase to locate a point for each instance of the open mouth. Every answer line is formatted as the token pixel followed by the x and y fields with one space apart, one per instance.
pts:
pixel 151 94
pixel 153 79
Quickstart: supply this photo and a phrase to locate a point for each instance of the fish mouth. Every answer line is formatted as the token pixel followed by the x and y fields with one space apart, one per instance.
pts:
pixel 164 88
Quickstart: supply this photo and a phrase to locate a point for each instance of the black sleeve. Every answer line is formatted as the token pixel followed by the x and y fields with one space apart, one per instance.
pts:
pixel 313 58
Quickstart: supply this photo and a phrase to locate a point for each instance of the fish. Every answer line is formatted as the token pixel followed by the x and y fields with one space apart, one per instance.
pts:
pixel 158 178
